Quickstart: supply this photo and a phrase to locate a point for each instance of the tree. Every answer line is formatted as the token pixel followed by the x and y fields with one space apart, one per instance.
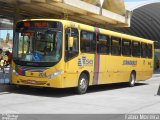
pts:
pixel 7 37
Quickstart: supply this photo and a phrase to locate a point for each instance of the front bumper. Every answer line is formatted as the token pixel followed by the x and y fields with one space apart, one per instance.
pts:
pixel 36 81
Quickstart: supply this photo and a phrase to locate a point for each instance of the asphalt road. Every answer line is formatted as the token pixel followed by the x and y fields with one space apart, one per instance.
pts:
pixel 105 99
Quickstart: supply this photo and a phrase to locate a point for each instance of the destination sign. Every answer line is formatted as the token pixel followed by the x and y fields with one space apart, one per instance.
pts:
pixel 38 24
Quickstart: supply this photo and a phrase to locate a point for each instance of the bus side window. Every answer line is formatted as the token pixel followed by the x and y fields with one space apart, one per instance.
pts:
pixel 115 46
pixel 88 42
pixel 149 53
pixel 144 50
pixel 126 47
pixel 71 52
pixel 136 51
pixel 103 46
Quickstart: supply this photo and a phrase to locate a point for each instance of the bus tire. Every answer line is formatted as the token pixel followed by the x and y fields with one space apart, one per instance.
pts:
pixel 82 84
pixel 132 79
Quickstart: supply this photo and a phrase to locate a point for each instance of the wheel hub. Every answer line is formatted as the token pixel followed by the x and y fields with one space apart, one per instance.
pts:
pixel 133 80
pixel 83 84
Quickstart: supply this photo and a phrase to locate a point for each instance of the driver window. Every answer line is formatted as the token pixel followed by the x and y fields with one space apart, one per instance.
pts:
pixel 71 52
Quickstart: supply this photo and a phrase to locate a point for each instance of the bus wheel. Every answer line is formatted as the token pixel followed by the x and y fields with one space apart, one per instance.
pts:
pixel 132 79
pixel 82 84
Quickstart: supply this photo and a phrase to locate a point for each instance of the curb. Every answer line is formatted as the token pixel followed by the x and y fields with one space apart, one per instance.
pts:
pixel 4 93
pixel 156 75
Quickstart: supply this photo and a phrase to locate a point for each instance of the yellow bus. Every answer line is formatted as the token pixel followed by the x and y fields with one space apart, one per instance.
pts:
pixel 63 54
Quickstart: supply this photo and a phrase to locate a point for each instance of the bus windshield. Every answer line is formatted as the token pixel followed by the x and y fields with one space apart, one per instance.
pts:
pixel 37 46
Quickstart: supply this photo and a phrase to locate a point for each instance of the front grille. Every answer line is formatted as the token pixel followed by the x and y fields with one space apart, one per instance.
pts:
pixel 32 82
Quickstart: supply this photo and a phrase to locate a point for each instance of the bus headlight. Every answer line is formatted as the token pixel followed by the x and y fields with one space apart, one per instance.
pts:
pixel 13 71
pixel 57 73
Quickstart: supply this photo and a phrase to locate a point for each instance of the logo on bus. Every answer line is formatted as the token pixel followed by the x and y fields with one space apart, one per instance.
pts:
pixel 129 62
pixel 84 62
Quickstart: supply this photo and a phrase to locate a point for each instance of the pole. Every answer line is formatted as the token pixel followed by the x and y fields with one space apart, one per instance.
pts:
pixel 4 75
pixel 158 93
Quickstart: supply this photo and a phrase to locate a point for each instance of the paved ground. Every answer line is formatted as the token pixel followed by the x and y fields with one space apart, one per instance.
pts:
pixel 116 98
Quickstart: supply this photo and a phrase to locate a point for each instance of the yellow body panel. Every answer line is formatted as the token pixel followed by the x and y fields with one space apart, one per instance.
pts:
pixel 111 68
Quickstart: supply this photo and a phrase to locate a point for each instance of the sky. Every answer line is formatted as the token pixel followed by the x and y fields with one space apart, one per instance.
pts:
pixel 130 5
pixel 134 0
pixel 3 33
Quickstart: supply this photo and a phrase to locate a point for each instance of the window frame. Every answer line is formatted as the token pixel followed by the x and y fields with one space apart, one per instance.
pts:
pixel 137 56
pixel 150 57
pixel 94 40
pixel 108 40
pixel 66 60
pixel 145 50
pixel 130 47
pixel 120 46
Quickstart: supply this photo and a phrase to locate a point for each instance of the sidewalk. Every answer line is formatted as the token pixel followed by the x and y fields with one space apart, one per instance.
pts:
pixel 156 73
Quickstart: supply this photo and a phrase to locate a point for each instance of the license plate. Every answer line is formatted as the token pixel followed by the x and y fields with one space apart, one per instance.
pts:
pixel 31 82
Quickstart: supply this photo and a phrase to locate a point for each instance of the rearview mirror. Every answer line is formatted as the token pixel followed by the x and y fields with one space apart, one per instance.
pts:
pixel 70 44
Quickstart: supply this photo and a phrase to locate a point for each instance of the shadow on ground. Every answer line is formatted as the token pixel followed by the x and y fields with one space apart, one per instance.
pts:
pixel 49 92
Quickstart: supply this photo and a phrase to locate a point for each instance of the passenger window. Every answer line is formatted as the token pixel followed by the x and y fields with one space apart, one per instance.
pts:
pixel 126 47
pixel 88 42
pixel 71 52
pixel 149 51
pixel 144 50
pixel 136 49
pixel 103 44
pixel 115 46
